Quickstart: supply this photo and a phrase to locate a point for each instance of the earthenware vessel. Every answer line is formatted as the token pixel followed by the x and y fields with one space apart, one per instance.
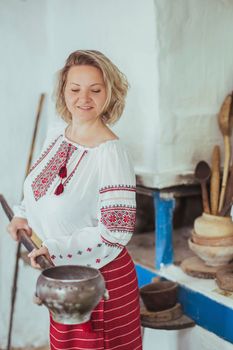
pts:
pixel 209 225
pixel 212 255
pixel 70 292
pixel 212 241
pixel 159 295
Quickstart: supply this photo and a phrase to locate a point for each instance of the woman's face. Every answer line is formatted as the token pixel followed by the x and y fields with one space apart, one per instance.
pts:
pixel 85 92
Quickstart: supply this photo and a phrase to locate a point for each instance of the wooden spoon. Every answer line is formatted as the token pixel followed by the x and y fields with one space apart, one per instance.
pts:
pixel 202 174
pixel 225 125
pixel 215 180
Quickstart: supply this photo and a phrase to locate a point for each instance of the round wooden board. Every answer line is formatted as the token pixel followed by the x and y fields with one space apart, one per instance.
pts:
pixel 224 278
pixel 181 323
pixel 161 316
pixel 195 267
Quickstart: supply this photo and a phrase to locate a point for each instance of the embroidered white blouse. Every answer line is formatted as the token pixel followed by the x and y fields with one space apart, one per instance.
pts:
pixel 94 218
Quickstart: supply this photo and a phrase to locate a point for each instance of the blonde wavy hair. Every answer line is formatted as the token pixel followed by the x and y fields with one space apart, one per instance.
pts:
pixel 115 81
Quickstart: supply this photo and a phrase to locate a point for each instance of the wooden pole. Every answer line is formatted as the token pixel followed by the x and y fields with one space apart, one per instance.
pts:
pixel 34 237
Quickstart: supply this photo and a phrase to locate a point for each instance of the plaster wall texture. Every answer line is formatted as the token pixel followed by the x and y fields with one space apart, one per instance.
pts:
pixel 185 339
pixel 195 74
pixel 23 77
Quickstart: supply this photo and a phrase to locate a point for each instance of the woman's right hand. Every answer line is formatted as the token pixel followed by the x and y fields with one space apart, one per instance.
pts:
pixel 17 224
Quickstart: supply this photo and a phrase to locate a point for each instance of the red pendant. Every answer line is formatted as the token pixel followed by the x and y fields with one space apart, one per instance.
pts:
pixel 59 189
pixel 63 172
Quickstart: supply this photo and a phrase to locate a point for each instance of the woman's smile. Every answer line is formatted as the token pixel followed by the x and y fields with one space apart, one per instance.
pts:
pixel 85 92
pixel 85 108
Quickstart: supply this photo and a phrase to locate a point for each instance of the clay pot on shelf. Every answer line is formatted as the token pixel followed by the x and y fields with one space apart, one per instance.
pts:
pixel 212 241
pixel 212 255
pixel 159 295
pixel 209 225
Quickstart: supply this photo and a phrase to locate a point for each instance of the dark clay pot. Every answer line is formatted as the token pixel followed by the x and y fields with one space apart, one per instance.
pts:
pixel 160 295
pixel 70 292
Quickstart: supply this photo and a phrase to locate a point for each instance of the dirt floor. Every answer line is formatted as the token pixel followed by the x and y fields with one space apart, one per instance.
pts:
pixel 142 247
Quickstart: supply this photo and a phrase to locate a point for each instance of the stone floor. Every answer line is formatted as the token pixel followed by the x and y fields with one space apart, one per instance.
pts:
pixel 142 247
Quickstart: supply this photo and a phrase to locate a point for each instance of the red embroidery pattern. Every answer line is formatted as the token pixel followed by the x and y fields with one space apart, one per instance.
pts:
pixel 44 180
pixel 117 188
pixel 44 154
pixel 111 244
pixel 119 217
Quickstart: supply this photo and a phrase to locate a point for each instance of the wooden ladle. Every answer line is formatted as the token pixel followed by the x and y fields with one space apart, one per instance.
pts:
pixel 202 174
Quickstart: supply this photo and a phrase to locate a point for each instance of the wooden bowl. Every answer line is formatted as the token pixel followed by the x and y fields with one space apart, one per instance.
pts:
pixel 212 241
pixel 212 256
pixel 159 295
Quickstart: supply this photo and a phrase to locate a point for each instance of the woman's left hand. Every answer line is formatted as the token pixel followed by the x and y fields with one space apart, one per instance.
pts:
pixel 37 252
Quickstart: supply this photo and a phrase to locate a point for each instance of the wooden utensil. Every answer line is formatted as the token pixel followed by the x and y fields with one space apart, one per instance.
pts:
pixel 229 195
pixel 202 174
pixel 34 237
pixel 225 125
pixel 24 238
pixel 215 180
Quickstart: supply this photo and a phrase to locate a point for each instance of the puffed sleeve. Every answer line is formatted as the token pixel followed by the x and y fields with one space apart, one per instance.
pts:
pixel 116 214
pixel 117 197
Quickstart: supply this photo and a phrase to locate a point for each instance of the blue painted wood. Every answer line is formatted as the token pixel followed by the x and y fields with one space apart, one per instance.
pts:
pixel 206 312
pixel 144 275
pixel 163 230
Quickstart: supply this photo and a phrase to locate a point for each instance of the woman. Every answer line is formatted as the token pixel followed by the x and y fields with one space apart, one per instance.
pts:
pixel 80 198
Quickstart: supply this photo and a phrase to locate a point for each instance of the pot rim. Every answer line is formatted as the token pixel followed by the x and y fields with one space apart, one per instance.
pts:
pixel 217 217
pixel 98 274
pixel 173 286
pixel 210 238
pixel 211 247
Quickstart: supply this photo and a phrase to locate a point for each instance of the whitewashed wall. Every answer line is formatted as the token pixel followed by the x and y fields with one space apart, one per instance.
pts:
pixel 195 74
pixel 23 77
pixel 184 339
pixel 177 56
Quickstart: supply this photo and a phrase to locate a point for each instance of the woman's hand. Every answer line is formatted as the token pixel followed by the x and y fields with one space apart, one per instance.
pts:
pixel 17 224
pixel 38 252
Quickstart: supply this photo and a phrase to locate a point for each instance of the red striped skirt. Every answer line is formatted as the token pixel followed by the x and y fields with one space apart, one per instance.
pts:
pixel 115 322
